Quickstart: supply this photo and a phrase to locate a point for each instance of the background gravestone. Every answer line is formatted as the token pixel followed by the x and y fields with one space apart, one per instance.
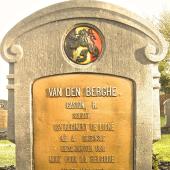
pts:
pixel 3 119
pixel 167 112
pixel 3 114
pixel 77 50
pixel 163 98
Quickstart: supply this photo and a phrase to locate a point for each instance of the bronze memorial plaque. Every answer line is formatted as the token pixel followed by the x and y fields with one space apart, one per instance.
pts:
pixel 83 122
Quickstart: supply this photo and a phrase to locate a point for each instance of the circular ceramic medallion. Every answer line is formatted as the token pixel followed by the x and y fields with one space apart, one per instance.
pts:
pixel 83 45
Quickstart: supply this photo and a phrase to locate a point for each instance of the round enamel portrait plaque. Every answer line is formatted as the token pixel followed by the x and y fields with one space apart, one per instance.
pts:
pixel 83 44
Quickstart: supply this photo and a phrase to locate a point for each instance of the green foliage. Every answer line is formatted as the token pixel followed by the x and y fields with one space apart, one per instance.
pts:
pixel 164 66
pixel 165 81
pixel 164 25
pixel 155 161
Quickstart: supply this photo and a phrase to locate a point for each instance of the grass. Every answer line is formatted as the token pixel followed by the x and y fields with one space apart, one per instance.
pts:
pixel 162 147
pixel 7 153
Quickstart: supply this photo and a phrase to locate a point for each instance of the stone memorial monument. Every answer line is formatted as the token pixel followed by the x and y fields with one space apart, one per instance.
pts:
pixel 167 112
pixel 83 88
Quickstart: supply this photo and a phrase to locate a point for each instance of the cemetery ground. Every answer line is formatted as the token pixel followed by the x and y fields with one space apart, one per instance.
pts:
pixel 162 148
pixel 7 153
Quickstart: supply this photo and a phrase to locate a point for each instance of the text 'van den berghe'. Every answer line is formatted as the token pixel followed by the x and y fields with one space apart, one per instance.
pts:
pixel 78 92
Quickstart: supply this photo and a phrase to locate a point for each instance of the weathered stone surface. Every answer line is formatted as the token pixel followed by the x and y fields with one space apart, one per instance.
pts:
pixel 167 111
pixel 35 49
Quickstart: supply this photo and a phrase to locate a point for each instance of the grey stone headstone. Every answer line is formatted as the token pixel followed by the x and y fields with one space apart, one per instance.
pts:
pixel 132 47
pixel 3 115
pixel 167 112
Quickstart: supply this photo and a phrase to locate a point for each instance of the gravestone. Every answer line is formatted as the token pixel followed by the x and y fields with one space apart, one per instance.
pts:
pixel 167 112
pixel 84 88
pixel 3 115
pixel 3 119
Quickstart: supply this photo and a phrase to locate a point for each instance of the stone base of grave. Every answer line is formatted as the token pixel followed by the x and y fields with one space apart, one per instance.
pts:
pixel 165 130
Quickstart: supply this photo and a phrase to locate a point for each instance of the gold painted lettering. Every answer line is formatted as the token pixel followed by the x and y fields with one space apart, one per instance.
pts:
pixel 72 92
pixel 80 115
pixel 54 159
pixel 101 92
pixel 54 92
